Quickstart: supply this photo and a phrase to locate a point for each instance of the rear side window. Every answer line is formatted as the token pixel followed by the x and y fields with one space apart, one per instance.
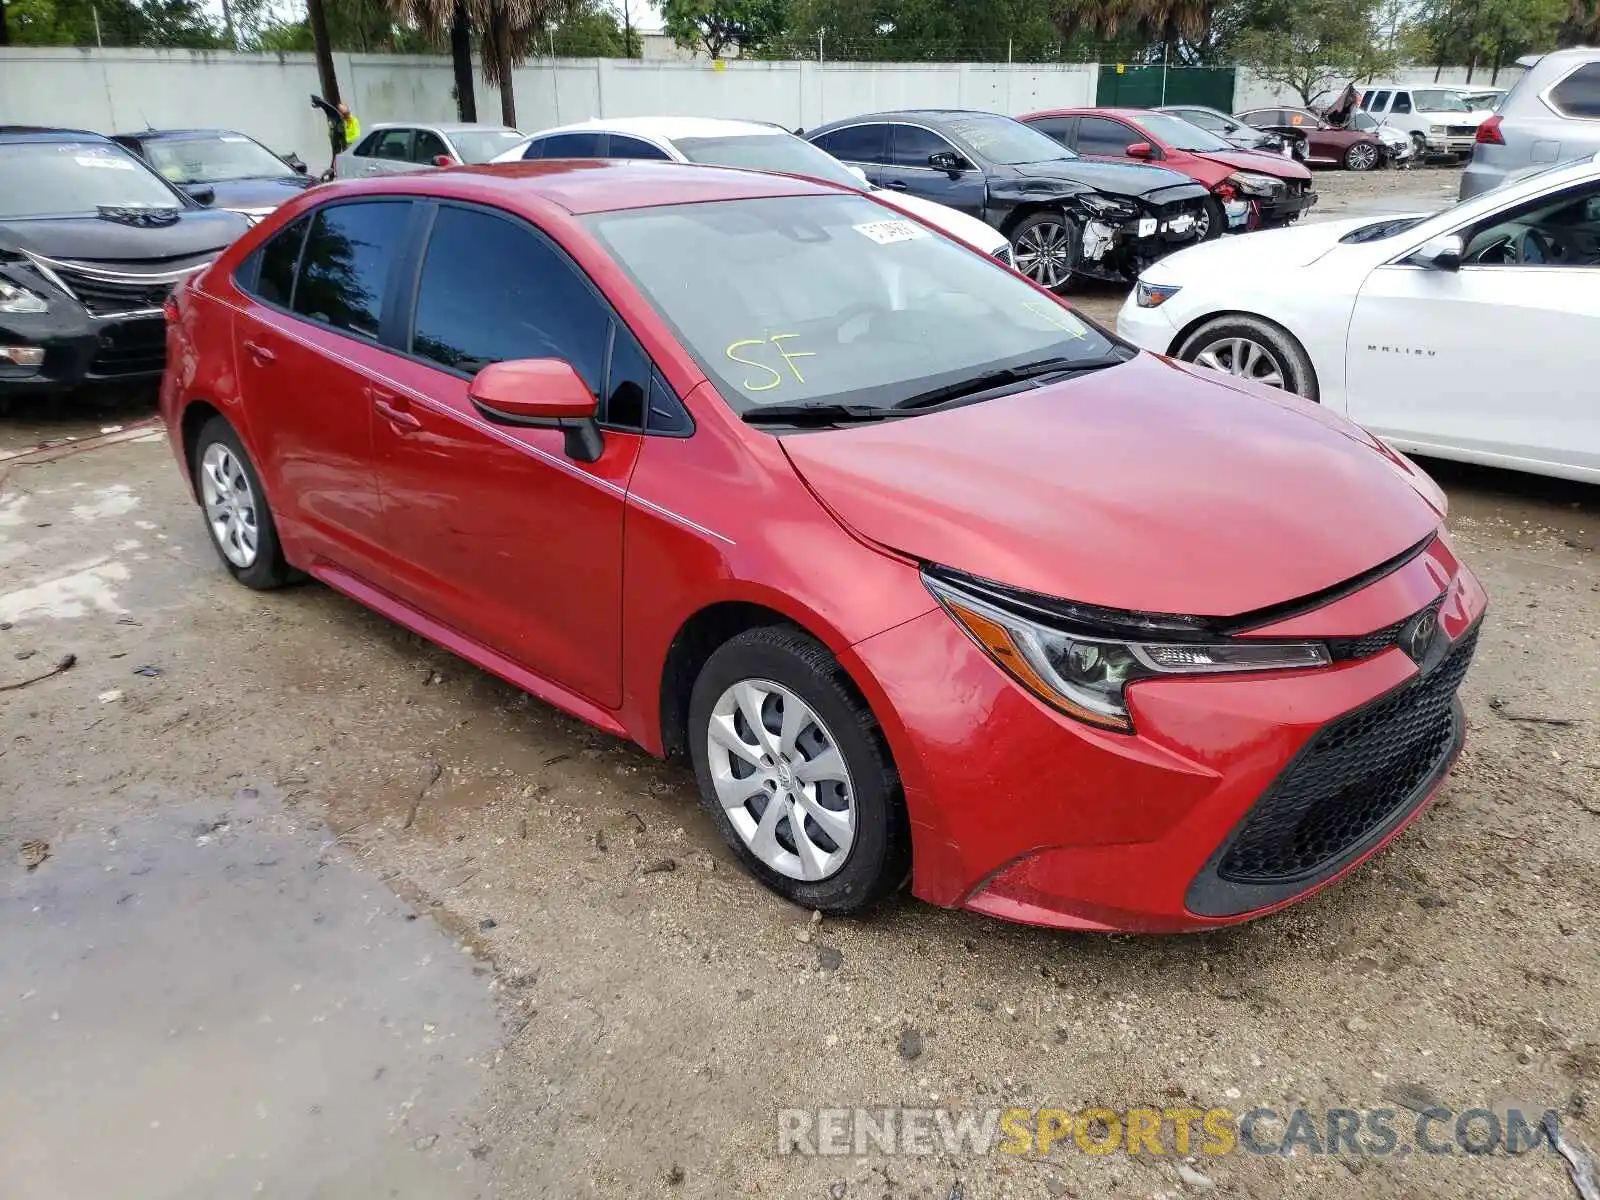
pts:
pixel 1402 102
pixel 570 145
pixel 857 143
pixel 632 147
pixel 345 268
pixel 1056 127
pixel 492 290
pixel 275 278
pixel 1578 95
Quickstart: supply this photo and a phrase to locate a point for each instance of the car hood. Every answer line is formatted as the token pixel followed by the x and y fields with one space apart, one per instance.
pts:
pixel 1270 249
pixel 197 232
pixel 1151 486
pixel 1262 163
pixel 957 224
pixel 1117 179
pixel 258 194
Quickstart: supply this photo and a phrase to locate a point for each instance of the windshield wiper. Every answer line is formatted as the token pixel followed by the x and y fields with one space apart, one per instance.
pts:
pixel 979 386
pixel 821 413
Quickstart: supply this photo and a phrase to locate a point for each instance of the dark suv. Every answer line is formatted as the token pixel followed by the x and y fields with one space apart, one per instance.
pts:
pixel 1064 215
pixel 91 242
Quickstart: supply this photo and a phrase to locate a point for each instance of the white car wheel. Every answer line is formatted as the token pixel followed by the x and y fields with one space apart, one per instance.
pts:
pixel 1250 348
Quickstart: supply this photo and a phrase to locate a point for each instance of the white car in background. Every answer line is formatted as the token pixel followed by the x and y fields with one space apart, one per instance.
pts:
pixel 751 145
pixel 394 147
pixel 1471 334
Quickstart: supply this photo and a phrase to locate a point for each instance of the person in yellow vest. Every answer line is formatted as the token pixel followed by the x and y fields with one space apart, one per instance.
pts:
pixel 352 127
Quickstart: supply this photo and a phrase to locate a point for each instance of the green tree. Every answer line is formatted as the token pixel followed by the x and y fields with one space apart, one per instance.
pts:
pixel 713 26
pixel 178 24
pixel 1316 47
pixel 1482 32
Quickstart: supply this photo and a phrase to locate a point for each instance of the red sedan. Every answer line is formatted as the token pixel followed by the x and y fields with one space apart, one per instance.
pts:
pixel 926 575
pixel 1249 190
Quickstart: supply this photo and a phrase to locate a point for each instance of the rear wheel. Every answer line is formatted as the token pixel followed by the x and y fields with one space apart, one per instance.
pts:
pixel 1253 349
pixel 236 511
pixel 1044 247
pixel 1362 156
pixel 795 773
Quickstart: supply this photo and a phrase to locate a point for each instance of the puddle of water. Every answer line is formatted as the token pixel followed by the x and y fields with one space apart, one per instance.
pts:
pixel 198 1002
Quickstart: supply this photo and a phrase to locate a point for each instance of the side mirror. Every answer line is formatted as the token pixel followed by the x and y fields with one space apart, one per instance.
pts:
pixel 296 163
pixel 950 164
pixel 858 173
pixel 542 393
pixel 1140 150
pixel 200 193
pixel 444 160
pixel 1441 253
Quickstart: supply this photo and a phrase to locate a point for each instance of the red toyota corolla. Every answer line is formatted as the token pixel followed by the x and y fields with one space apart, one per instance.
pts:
pixel 924 573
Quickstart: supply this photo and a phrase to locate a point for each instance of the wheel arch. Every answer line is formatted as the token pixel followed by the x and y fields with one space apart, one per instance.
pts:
pixel 1023 211
pixel 195 415
pixel 1188 331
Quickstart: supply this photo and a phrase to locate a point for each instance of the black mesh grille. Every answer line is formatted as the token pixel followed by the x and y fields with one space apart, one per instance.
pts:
pixel 103 296
pixel 1368 644
pixel 1351 778
pixel 133 348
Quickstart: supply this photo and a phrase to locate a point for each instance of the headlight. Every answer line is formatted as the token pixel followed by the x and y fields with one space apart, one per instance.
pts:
pixel 1435 128
pixel 1084 671
pixel 1107 208
pixel 14 298
pixel 1252 184
pixel 1153 295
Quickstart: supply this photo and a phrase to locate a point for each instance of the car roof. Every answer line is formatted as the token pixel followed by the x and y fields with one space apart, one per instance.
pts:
pixel 178 134
pixel 583 186
pixel 910 114
pixel 1091 110
pixel 670 128
pixel 438 126
pixel 45 133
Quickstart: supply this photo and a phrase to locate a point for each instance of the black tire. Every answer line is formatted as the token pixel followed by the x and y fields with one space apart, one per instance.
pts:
pixel 1361 156
pixel 1074 242
pixel 879 859
pixel 1216 219
pixel 1290 358
pixel 268 569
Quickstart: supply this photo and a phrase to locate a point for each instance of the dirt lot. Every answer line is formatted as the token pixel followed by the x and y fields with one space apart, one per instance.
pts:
pixel 294 904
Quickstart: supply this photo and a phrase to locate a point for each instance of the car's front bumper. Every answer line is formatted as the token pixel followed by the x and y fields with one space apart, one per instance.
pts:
pixel 1442 144
pixel 1022 813
pixel 1150 329
pixel 1286 206
pixel 1119 250
pixel 81 349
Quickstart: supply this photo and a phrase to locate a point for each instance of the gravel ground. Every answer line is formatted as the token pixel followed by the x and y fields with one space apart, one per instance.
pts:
pixel 652 1008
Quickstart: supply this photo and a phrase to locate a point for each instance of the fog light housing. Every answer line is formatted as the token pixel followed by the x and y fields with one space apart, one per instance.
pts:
pixel 23 356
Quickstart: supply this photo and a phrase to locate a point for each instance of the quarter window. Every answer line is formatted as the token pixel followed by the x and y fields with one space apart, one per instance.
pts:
pixel 275 279
pixel 346 264
pixel 1578 95
pixel 492 290
pixel 857 143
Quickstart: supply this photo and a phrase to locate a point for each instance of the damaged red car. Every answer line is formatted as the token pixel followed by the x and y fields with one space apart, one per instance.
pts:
pixel 927 576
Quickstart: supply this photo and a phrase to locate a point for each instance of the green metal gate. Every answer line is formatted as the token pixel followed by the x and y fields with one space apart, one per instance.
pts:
pixel 1127 85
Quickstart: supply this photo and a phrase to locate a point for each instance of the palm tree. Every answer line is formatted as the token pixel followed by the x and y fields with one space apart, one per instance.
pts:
pixel 1166 21
pixel 455 18
pixel 506 29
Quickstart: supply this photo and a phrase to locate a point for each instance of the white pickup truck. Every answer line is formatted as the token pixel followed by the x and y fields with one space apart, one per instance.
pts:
pixel 1438 118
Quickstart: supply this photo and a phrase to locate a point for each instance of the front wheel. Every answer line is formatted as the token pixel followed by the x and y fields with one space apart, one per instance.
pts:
pixel 795 773
pixel 1253 349
pixel 1212 221
pixel 1362 156
pixel 1044 247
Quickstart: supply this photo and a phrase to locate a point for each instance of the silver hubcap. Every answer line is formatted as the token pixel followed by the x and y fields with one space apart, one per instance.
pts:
pixel 781 780
pixel 1362 157
pixel 230 505
pixel 1202 224
pixel 1244 358
pixel 1043 253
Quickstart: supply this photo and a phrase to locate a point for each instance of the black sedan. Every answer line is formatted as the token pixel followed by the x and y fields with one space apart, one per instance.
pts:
pixel 1064 216
pixel 220 168
pixel 91 242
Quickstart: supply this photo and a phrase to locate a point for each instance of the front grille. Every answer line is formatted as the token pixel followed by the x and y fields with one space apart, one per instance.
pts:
pixel 1461 130
pixel 103 297
pixel 1351 779
pixel 135 348
pixel 1004 255
pixel 1346 648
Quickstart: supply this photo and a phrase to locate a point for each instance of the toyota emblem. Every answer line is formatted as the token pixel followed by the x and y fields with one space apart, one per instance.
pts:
pixel 1419 635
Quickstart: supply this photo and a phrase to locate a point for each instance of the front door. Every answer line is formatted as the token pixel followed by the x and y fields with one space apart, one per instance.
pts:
pixel 1499 357
pixel 301 346
pixel 911 147
pixel 498 532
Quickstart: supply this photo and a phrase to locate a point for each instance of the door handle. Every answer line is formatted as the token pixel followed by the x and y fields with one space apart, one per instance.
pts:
pixel 260 353
pixel 898 185
pixel 394 410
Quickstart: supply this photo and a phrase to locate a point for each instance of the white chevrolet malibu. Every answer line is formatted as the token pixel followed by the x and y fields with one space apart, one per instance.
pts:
pixel 1470 334
pixel 750 145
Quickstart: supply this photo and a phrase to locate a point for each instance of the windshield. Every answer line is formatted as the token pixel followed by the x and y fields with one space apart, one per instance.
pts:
pixel 781 152
pixel 213 159
pixel 1004 141
pixel 1175 131
pixel 480 145
pixel 832 299
pixel 50 179
pixel 1438 100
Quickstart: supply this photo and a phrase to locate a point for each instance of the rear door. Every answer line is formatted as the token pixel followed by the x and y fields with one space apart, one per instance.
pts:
pixel 308 346
pixel 501 535
pixel 909 170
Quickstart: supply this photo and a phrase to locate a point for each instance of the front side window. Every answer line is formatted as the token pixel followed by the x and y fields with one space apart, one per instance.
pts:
pixel 214 159
pixel 1562 230
pixel 1578 95
pixel 1402 102
pixel 632 147
pixel 394 145
pixel 52 179
pixel 810 299
pixel 345 268
pixel 781 152
pixel 1431 100
pixel 1206 120
pixel 428 147
pixel 492 291
pixel 857 143
pixel 1097 135
pixel 913 146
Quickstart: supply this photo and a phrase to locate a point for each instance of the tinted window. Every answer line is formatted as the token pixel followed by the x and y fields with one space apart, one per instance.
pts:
pixel 275 281
pixel 1206 120
pixel 1097 135
pixel 1056 127
pixel 632 147
pixel 1263 118
pixel 570 145
pixel 858 143
pixel 911 145
pixel 492 290
pixel 1402 102
pixel 627 382
pixel 428 147
pixel 1578 95
pixel 1380 101
pixel 368 146
pixel 345 268
pixel 394 144
pixel 667 414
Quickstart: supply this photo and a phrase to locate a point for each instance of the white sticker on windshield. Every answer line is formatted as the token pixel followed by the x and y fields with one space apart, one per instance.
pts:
pixel 887 232
pixel 233 137
pixel 103 160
